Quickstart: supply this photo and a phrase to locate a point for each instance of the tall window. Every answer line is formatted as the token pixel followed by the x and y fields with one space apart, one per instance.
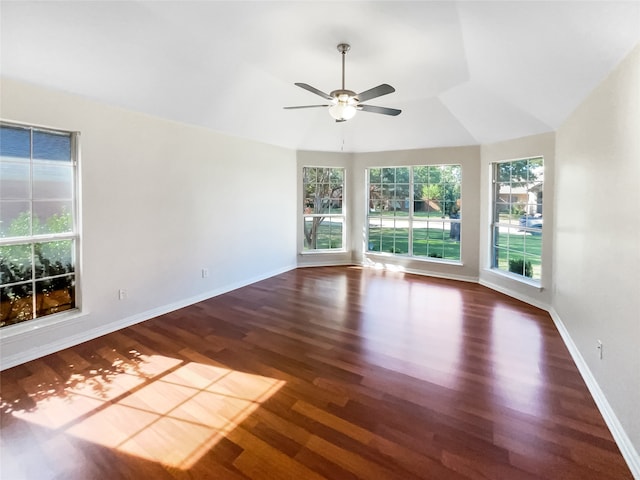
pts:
pixel 517 217
pixel 323 209
pixel 415 211
pixel 38 235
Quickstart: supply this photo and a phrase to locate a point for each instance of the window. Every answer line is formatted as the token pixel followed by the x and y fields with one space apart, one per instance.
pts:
pixel 38 235
pixel 517 217
pixel 415 211
pixel 323 209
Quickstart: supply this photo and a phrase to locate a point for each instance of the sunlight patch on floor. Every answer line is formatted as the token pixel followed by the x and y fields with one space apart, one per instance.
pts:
pixel 175 413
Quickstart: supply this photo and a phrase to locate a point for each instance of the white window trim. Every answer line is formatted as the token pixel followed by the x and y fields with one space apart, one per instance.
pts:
pixel 493 225
pixel 343 215
pixel 411 217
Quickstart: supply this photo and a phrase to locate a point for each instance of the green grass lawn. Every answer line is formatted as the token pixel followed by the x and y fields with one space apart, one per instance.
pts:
pixel 432 242
pixel 436 243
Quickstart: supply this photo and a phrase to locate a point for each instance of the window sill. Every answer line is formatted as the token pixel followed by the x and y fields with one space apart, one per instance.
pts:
pixel 436 260
pixel 518 278
pixel 321 252
pixel 38 324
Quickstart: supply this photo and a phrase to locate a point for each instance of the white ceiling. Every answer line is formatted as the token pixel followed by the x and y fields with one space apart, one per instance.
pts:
pixel 464 72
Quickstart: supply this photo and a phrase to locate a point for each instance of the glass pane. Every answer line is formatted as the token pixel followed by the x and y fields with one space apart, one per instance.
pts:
pixel 330 234
pixel 500 258
pixel 310 233
pixel 52 181
pixel 55 295
pixel 335 205
pixel 51 146
pixel 500 238
pixel 53 258
pixel 374 243
pixel 388 175
pixel 15 263
pixel 375 206
pixel 435 174
pixel 15 144
pixel 535 170
pixel 15 219
pixel 15 181
pixel 420 236
pixel 375 175
pixel 401 241
pixel 451 249
pixel 322 233
pixel 503 172
pixel 52 217
pixel 516 241
pixel 16 304
pixel 421 174
pixel 452 173
pixel 436 237
pixel 420 202
pixel 519 170
pixel 402 175
pixel 536 266
pixel 454 232
pixel 519 266
pixel 533 243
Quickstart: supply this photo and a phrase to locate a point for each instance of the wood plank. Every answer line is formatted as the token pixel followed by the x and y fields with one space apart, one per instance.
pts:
pixel 318 373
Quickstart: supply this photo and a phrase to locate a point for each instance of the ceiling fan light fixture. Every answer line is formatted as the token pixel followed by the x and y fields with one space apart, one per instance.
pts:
pixel 344 108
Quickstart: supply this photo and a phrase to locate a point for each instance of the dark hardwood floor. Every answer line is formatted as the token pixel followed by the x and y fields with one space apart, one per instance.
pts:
pixel 338 373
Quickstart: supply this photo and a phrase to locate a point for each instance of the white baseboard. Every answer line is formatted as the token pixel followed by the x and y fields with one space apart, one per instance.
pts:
pixel 46 346
pixel 623 441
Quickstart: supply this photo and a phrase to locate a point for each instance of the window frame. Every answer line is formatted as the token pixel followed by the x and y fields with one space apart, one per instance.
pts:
pixel 342 215
pixel 42 238
pixel 411 217
pixel 496 224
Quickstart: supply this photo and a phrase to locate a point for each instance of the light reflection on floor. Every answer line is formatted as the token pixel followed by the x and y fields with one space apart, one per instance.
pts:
pixel 176 412
pixel 516 352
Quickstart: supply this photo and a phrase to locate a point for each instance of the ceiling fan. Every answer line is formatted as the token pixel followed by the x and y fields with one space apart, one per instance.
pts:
pixel 345 103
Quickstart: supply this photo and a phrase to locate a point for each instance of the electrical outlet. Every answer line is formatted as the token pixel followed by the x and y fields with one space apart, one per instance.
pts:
pixel 599 347
pixel 122 294
pixel 205 272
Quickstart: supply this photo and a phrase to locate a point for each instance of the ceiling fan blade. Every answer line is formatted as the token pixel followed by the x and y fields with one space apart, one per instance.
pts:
pixel 326 96
pixel 375 92
pixel 384 110
pixel 305 106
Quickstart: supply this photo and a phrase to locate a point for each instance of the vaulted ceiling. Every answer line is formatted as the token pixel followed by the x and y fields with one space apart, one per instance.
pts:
pixel 464 72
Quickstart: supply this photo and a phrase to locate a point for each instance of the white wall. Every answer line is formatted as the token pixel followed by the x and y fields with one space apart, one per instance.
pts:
pixel 526 147
pixel 160 201
pixel 597 238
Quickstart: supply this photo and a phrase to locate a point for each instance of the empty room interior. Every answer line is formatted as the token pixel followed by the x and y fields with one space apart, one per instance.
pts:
pixel 320 240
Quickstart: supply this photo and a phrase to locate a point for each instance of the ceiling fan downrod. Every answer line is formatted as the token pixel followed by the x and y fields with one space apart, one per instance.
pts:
pixel 343 48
